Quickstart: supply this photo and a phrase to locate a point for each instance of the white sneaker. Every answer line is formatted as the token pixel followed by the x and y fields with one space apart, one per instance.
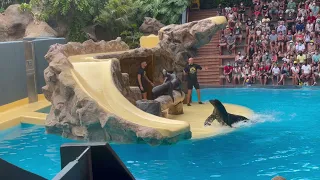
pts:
pixel 315 83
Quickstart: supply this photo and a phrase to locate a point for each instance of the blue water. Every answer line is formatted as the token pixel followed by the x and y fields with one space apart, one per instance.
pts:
pixel 284 140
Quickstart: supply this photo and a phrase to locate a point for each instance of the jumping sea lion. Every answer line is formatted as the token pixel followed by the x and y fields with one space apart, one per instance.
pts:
pixel 221 115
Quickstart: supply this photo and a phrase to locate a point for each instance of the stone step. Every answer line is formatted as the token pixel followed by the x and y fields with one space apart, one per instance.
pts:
pixel 211 71
pixel 213 42
pixel 206 59
pixel 208 63
pixel 203 54
pixel 208 49
pixel 209 81
pixel 209 77
pixel 211 49
pixel 210 84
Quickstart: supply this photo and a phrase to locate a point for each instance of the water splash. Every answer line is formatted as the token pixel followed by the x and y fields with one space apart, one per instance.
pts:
pixel 255 119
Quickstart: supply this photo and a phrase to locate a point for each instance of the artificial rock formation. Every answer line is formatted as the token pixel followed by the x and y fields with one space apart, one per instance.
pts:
pixel 77 116
pixel 171 106
pixel 149 106
pixel 181 41
pixel 16 24
pixel 150 26
pixel 39 29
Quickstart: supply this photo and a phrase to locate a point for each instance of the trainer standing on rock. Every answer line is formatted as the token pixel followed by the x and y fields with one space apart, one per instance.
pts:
pixel 192 79
pixel 143 79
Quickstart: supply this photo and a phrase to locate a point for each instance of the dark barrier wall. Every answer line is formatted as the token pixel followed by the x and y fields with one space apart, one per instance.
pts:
pixel 11 172
pixel 13 79
pixel 41 47
pixel 13 85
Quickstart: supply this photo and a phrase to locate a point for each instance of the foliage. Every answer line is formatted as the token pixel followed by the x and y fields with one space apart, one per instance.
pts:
pixel 25 7
pixel 132 36
pixel 118 14
pixel 166 11
pixel 5 3
pixel 77 13
pixel 118 17
pixel 1 9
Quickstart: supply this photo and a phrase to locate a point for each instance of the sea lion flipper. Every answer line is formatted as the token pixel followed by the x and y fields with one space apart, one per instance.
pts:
pixel 209 120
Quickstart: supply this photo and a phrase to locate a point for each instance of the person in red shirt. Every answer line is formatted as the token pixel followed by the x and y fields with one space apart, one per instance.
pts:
pixel 264 71
pixel 311 18
pixel 227 71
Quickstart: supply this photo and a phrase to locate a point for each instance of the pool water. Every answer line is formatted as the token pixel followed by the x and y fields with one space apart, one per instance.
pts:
pixel 283 139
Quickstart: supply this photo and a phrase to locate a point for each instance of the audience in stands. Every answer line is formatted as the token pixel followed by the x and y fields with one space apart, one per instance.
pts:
pixel 281 40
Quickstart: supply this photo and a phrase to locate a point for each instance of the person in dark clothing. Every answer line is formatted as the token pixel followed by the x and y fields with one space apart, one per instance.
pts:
pixel 143 80
pixel 192 79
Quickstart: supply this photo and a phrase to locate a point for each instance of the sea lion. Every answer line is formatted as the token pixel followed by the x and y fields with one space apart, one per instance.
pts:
pixel 171 82
pixel 221 115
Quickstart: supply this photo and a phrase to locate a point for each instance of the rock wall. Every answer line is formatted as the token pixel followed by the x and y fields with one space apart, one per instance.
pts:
pixel 150 26
pixel 16 24
pixel 179 42
pixel 75 115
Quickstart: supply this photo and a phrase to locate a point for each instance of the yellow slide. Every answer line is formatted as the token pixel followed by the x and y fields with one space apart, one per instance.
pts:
pixel 95 79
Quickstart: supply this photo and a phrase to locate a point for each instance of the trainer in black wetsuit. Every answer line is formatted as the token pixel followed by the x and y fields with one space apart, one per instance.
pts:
pixel 191 72
pixel 143 80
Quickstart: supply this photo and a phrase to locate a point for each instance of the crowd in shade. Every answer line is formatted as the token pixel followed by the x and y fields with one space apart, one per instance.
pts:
pixel 281 41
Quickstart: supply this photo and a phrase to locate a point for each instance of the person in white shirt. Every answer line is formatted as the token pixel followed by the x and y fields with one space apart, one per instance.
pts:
pixel 306 72
pixel 300 47
pixel 310 26
pixel 275 73
pixel 286 58
pixel 282 28
pixel 300 18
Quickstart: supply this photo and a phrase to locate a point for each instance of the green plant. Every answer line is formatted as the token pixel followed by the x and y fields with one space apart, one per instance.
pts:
pixel 5 3
pixel 166 11
pixel 118 15
pixel 77 13
pixel 25 7
pixel 2 9
pixel 132 36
